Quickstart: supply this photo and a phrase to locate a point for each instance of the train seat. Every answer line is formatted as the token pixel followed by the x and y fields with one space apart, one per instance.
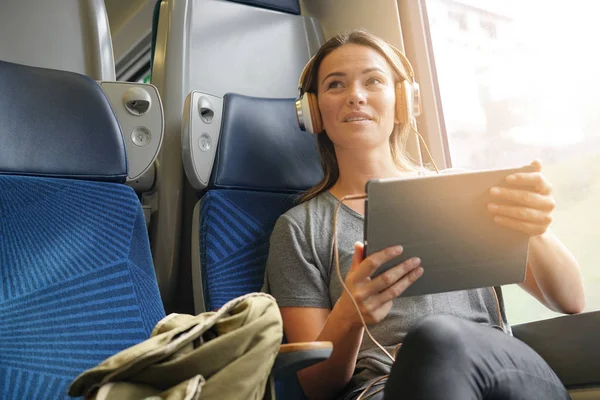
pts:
pixel 78 284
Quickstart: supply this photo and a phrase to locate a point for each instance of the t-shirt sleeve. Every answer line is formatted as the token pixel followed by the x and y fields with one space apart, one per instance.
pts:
pixel 292 275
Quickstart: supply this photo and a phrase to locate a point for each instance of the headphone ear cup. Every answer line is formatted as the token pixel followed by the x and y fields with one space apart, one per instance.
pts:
pixel 314 113
pixel 416 99
pixel 308 114
pixel 404 105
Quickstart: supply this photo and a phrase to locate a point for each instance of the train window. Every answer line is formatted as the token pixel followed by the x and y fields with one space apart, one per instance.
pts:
pixel 517 81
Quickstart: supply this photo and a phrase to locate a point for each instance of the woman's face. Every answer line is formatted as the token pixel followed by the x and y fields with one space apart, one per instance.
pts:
pixel 356 95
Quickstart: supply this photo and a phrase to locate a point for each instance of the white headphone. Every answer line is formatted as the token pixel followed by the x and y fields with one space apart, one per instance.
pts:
pixel 408 99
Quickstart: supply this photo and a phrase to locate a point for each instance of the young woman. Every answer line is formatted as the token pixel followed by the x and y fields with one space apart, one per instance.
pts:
pixel 450 349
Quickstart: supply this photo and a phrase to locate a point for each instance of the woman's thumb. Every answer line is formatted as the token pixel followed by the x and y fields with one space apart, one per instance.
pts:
pixel 359 249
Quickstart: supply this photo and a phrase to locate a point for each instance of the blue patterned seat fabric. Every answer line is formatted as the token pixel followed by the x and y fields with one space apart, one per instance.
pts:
pixel 76 281
pixel 263 162
pixel 235 227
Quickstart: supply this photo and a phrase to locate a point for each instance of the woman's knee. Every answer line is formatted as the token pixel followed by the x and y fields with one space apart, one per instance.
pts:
pixel 434 355
pixel 439 335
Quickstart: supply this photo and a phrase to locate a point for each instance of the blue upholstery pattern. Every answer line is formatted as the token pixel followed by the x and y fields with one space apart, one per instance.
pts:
pixel 235 228
pixel 287 6
pixel 77 283
pixel 234 232
pixel 263 162
pixel 58 124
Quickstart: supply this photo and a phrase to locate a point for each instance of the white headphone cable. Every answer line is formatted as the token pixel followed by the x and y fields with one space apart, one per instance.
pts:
pixel 337 256
pixel 425 145
pixel 339 274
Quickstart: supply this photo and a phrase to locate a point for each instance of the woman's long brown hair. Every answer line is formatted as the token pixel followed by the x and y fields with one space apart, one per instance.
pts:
pixel 398 137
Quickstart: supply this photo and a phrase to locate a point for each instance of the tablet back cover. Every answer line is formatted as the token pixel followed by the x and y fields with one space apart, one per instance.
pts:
pixel 443 219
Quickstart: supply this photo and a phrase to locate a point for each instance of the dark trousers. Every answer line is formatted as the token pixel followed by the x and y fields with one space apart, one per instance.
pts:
pixel 445 357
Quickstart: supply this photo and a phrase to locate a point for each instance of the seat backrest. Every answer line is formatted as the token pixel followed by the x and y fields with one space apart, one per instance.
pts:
pixel 263 161
pixel 77 282
pixel 75 37
pixel 71 36
pixel 251 47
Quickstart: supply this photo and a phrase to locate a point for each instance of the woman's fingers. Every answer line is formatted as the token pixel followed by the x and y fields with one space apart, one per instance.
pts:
pixel 358 256
pixel 529 228
pixel 367 292
pixel 392 275
pixel 521 213
pixel 374 261
pixel 375 297
pixel 535 180
pixel 397 288
pixel 524 197
pixel 531 211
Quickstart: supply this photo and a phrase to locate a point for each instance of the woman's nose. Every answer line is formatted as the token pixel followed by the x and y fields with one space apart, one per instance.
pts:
pixel 356 97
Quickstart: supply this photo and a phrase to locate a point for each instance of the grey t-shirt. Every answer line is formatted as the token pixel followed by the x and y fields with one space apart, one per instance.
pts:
pixel 300 272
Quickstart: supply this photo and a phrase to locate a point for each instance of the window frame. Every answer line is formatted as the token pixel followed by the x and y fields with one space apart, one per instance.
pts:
pixel 414 23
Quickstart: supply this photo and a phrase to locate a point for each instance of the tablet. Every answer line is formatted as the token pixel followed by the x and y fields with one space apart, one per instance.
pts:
pixel 443 219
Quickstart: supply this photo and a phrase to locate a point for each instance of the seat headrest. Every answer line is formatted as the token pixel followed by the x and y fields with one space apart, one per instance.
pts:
pixel 286 6
pixel 262 148
pixel 58 124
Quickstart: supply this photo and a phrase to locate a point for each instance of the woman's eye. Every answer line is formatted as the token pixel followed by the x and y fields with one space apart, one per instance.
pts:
pixel 375 81
pixel 334 85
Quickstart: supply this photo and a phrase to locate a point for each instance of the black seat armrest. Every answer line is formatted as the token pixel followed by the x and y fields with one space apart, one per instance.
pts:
pixel 293 357
pixel 569 344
